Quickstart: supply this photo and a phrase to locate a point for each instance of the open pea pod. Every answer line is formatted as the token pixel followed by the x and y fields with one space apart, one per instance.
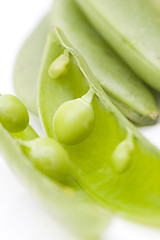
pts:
pixel 132 29
pixel 43 165
pixel 110 159
pixel 125 89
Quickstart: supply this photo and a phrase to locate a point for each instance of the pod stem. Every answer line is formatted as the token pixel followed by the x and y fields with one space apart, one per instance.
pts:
pixel 130 138
pixel 24 145
pixel 88 97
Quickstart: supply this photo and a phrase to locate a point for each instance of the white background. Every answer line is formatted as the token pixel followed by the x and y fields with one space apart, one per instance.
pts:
pixel 21 218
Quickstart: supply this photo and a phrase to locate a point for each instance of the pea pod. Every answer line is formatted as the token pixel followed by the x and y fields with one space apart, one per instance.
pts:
pixel 26 70
pixel 114 163
pixel 132 29
pixel 42 164
pixel 124 88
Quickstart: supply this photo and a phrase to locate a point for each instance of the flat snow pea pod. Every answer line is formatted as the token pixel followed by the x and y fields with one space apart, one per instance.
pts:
pixel 115 164
pixel 26 70
pixel 67 202
pixel 125 89
pixel 132 29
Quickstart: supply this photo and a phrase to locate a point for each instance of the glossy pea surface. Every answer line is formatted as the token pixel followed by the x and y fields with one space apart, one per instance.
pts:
pixel 73 121
pixel 13 114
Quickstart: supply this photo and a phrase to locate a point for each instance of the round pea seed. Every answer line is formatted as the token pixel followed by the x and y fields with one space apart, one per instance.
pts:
pixel 73 121
pixel 13 114
pixel 49 157
pixel 121 157
pixel 59 66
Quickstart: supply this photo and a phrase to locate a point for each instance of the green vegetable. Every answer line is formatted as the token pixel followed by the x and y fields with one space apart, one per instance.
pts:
pixel 48 156
pixel 13 114
pixel 121 157
pixel 42 164
pixel 73 121
pixel 132 29
pixel 101 150
pixel 114 164
pixel 26 71
pixel 125 89
pixel 59 66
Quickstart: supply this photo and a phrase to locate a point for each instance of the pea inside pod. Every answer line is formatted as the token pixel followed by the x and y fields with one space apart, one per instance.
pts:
pixel 74 121
pixel 49 157
pixel 13 114
pixel 59 66
pixel 121 158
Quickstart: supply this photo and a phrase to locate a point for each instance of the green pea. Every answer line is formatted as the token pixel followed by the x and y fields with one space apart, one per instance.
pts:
pixel 48 156
pixel 73 122
pixel 13 114
pixel 59 66
pixel 121 157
